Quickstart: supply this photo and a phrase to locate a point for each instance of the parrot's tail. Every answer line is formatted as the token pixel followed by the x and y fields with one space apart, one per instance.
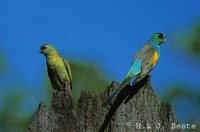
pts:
pixel 125 81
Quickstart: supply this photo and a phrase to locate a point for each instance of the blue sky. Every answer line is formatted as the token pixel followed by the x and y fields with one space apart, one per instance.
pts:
pixel 107 33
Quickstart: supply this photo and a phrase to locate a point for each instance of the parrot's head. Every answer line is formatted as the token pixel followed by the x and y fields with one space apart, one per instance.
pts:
pixel 157 38
pixel 48 50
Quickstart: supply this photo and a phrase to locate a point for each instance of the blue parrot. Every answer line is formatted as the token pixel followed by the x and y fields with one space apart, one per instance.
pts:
pixel 143 62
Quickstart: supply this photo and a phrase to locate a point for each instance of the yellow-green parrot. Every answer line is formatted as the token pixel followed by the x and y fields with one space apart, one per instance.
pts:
pixel 58 69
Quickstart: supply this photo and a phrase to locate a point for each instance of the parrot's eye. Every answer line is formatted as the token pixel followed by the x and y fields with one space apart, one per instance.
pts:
pixel 160 35
pixel 43 47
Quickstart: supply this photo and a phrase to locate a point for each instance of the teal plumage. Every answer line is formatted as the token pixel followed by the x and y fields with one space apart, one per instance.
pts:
pixel 143 62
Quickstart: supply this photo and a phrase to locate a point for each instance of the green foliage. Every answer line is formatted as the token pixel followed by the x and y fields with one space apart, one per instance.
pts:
pixel 47 90
pixel 189 39
pixel 178 92
pixel 1 62
pixel 11 116
pixel 86 77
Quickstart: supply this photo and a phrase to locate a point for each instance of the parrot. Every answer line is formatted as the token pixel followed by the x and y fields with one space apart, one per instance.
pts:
pixel 142 64
pixel 58 69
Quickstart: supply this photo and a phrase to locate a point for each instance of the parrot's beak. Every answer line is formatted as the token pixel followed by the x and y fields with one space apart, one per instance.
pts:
pixel 164 40
pixel 40 51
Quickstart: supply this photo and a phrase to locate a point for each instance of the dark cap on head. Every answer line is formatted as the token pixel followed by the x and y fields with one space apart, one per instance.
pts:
pixel 160 35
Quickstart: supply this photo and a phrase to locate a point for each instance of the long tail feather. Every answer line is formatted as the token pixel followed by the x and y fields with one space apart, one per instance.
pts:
pixel 124 82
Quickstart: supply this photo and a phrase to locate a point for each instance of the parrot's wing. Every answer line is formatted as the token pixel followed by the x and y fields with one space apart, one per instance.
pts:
pixel 138 54
pixel 141 52
pixel 147 64
pixel 67 67
pixel 134 71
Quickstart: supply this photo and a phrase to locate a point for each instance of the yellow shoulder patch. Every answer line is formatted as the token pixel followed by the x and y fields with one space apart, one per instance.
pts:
pixel 154 58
